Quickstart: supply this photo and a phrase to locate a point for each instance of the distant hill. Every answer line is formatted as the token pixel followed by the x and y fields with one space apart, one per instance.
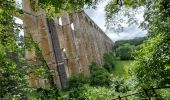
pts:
pixel 137 41
pixel 123 48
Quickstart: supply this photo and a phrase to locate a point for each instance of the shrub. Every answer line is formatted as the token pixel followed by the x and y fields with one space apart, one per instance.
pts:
pixel 124 52
pixel 120 85
pixel 75 93
pixel 109 61
pixel 75 86
pixel 98 75
pixel 43 94
pixel 97 93
pixel 76 81
pixel 87 92
pixel 79 88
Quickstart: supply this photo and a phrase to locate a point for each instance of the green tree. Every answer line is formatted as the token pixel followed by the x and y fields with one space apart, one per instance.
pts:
pixel 12 77
pixel 109 63
pixel 152 60
pixel 124 52
pixel 151 67
pixel 53 7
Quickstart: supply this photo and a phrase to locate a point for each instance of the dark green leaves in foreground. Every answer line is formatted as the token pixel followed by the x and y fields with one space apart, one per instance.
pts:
pixel 53 7
pixel 12 79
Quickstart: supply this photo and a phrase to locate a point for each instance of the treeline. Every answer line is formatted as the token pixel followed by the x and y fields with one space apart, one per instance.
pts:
pixel 123 48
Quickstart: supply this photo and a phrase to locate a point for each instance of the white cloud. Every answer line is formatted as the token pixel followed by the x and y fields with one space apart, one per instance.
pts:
pixel 98 15
pixel 19 3
pixel 19 21
pixel 129 32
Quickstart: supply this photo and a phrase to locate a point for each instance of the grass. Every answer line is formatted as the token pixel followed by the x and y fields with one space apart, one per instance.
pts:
pixel 121 68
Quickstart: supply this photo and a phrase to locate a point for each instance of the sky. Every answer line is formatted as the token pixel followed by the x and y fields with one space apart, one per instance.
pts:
pixel 129 32
pixel 98 14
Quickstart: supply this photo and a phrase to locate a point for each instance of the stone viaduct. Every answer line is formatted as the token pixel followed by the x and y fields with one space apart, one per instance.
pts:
pixel 69 42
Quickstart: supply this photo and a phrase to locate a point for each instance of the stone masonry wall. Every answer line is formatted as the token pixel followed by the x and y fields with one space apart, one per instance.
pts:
pixel 80 41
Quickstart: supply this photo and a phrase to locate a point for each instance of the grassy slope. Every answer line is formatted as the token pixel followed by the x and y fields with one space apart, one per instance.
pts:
pixel 121 68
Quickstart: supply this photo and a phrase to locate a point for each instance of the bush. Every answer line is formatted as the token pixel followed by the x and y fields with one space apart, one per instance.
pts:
pixel 75 86
pixel 120 85
pixel 109 61
pixel 76 93
pixel 87 92
pixel 76 81
pixel 97 93
pixel 43 94
pixel 98 75
pixel 79 89
pixel 124 52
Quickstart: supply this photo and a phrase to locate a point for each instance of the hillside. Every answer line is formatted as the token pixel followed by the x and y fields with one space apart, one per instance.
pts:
pixel 123 48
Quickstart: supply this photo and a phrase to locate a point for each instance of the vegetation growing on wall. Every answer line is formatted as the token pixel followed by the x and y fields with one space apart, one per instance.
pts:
pixel 40 70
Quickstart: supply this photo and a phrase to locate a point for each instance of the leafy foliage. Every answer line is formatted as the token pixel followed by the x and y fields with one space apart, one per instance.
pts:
pixel 75 87
pixel 41 68
pixel 109 61
pixel 78 87
pixel 14 69
pixel 152 61
pixel 111 8
pixel 124 52
pixel 151 67
pixel 53 7
pixel 98 75
pixel 122 68
pixel 81 90
pixel 119 85
pixel 88 92
pixel 76 81
pixel 12 77
pixel 152 58
pixel 97 93
pixel 43 94
pixel 114 6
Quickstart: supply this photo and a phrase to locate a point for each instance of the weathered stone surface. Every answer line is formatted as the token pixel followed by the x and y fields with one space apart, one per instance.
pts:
pixel 36 25
pixel 76 41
